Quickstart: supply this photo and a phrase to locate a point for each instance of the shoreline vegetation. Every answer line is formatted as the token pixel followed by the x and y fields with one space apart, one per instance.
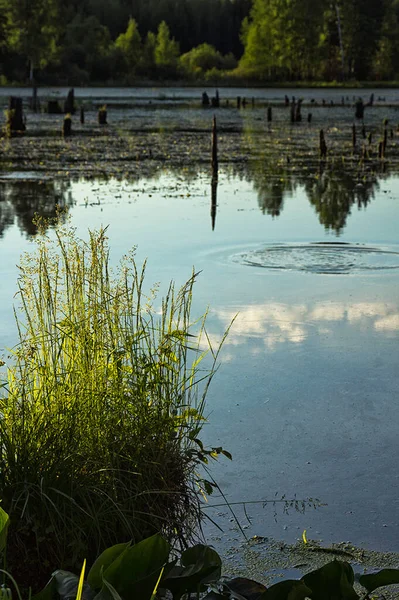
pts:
pixel 179 40
pixel 102 406
pixel 236 82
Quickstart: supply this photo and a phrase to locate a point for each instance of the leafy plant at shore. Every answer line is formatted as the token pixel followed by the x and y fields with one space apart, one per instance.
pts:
pixel 102 412
pixel 148 569
pixel 126 572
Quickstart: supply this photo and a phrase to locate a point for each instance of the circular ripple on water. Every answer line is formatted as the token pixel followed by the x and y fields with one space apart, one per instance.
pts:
pixel 328 258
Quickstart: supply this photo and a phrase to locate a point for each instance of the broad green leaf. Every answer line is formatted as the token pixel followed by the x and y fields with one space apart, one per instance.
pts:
pixel 48 592
pixel 245 589
pixel 105 559
pixel 291 589
pixel 67 585
pixel 200 565
pixel 201 553
pixel 375 580
pixel 4 523
pixel 107 592
pixel 333 581
pixel 135 572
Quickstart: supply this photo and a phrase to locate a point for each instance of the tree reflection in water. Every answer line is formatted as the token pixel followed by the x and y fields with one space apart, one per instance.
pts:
pixel 331 189
pixel 20 200
pixel 335 191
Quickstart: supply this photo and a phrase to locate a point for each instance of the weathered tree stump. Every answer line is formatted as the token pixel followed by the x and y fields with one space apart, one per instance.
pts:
pixel 215 100
pixel 34 101
pixel 53 107
pixel 359 109
pixel 323 145
pixel 15 117
pixel 102 115
pixel 385 140
pixel 67 126
pixel 69 104
pixel 205 99
pixel 292 112
pixel 298 115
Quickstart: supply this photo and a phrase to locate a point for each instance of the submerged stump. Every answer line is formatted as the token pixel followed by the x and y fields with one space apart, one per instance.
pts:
pixel 359 109
pixel 67 126
pixel 69 105
pixel 15 118
pixel 322 145
pixel 102 115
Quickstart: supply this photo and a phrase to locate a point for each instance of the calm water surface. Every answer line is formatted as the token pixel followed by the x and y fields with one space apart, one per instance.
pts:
pixel 306 398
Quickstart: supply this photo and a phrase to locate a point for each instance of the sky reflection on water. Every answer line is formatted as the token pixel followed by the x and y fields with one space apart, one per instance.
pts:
pixel 306 396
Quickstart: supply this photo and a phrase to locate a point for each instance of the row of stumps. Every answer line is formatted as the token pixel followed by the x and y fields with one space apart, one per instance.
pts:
pixel 382 144
pixel 16 123
pixel 67 124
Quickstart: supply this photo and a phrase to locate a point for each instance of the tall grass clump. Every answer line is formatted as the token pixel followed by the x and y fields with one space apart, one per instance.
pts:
pixel 102 410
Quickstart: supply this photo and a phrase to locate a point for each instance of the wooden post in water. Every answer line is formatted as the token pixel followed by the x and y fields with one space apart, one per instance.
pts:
pixel 269 114
pixel 69 104
pixel 82 114
pixel 323 145
pixel 214 189
pixel 215 165
pixel 292 112
pixel 298 116
pixel 15 117
pixel 385 140
pixel 67 126
pixel 34 98
pixel 238 101
pixel 381 150
pixel 214 147
pixel 354 137
pixel 102 115
pixel 359 109
pixel 309 117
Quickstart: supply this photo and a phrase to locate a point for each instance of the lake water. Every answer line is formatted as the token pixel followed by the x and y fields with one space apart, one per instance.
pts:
pixel 306 256
pixel 306 398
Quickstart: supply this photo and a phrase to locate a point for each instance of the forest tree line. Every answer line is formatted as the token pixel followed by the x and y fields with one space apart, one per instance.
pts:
pixel 126 41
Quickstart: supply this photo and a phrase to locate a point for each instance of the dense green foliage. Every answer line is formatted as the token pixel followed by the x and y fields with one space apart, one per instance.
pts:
pixel 304 39
pixel 121 41
pixel 101 411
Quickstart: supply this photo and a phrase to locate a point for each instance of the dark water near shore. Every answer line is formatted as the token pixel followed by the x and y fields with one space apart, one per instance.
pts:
pixel 306 398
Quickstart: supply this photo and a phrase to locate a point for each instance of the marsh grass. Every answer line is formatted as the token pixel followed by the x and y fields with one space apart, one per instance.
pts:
pixel 102 410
